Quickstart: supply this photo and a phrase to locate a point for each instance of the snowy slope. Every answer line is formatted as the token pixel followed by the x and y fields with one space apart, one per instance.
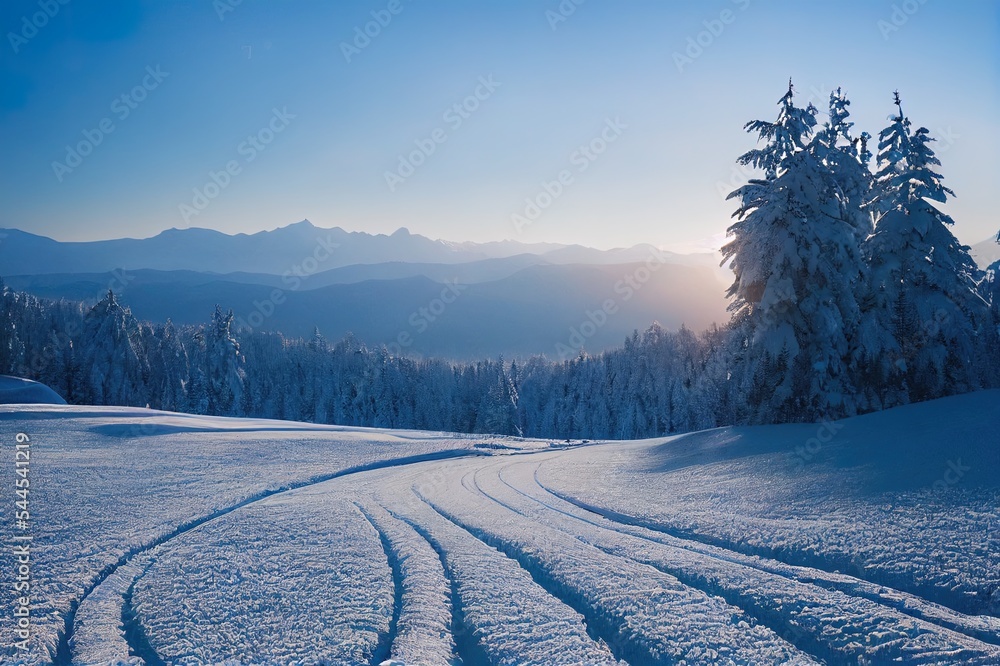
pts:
pixel 174 539
pixel 108 483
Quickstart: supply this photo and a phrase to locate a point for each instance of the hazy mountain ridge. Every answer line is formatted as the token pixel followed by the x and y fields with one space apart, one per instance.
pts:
pixel 91 286
pixel 527 311
pixel 503 297
pixel 282 250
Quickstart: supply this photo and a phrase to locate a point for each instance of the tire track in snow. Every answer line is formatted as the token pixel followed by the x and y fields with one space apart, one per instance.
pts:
pixel 135 633
pixel 104 612
pixel 655 625
pixel 503 618
pixel 421 628
pixel 385 641
pixel 470 652
pixel 597 627
pixel 984 628
pixel 64 655
pixel 762 607
pixel 809 648
pixel 927 594
pixel 795 636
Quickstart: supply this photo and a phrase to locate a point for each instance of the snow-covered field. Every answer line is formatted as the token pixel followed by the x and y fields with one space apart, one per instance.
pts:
pixel 163 538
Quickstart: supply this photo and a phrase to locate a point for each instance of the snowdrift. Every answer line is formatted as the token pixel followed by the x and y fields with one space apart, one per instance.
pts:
pixel 17 391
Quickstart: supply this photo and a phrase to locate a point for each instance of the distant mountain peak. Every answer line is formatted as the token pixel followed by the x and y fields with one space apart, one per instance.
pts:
pixel 187 231
pixel 305 226
pixel 277 251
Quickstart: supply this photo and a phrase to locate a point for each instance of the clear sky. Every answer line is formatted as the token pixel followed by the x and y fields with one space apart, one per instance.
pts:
pixel 201 78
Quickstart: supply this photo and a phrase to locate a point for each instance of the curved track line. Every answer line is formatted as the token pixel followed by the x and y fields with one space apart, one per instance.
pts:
pixel 385 641
pixel 596 628
pixel 425 621
pixel 135 633
pixel 926 593
pixel 782 632
pixel 470 652
pixel 64 654
pixel 887 597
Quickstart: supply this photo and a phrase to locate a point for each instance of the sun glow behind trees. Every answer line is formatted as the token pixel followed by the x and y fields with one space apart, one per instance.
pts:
pixel 850 295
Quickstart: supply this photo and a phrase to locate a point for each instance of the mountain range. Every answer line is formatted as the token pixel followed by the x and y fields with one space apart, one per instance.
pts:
pixel 280 251
pixel 416 295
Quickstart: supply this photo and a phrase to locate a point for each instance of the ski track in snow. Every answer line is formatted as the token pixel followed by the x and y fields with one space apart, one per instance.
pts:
pixel 423 620
pixel 110 484
pixel 679 601
pixel 794 601
pixel 540 556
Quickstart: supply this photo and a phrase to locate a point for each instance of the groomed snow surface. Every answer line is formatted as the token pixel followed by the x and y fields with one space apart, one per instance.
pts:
pixel 169 539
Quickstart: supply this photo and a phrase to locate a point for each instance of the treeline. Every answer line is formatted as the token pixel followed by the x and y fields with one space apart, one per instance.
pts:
pixel 850 295
pixel 656 383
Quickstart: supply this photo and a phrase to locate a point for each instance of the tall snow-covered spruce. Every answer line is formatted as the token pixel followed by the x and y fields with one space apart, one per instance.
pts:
pixel 218 375
pixel 795 252
pixel 114 359
pixel 924 283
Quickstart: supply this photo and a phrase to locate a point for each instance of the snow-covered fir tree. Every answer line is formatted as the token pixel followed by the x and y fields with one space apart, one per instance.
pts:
pixel 923 279
pixel 847 158
pixel 169 369
pixel 498 411
pixel 113 361
pixel 223 365
pixel 796 257
pixel 989 290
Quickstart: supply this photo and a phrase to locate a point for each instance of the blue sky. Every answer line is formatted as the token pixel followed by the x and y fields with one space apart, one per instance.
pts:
pixel 344 121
